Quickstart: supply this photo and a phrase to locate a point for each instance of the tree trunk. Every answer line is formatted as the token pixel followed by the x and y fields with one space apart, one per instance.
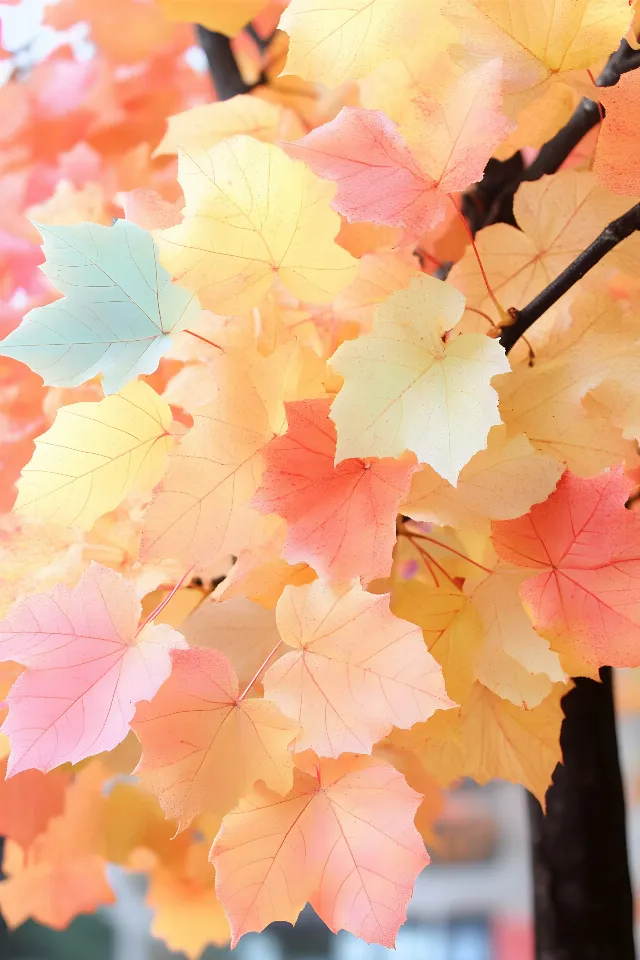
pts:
pixel 582 890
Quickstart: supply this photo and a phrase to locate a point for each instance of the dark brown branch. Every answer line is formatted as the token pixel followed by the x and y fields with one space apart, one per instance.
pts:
pixel 584 903
pixel 617 231
pixel 496 190
pixel 223 66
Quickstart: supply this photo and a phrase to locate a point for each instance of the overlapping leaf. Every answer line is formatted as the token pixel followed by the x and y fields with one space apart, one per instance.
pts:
pixel 407 386
pixel 384 179
pixel 341 519
pixel 586 598
pixel 119 310
pixel 84 645
pixel 342 839
pixel 198 726
pixel 95 454
pixel 252 214
pixel 356 669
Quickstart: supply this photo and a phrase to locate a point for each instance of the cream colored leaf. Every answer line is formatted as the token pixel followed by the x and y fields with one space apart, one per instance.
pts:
pixel 407 386
pixel 538 45
pixel 337 40
pixel 558 217
pixel 549 401
pixel 499 483
pixel 515 662
pixel 202 127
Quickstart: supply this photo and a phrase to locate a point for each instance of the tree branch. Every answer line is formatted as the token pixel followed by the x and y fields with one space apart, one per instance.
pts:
pixel 496 194
pixel 223 67
pixel 617 231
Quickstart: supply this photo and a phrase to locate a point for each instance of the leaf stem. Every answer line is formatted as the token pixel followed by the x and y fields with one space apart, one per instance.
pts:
pixel 492 296
pixel 430 560
pixel 204 340
pixel 445 546
pixel 258 672
pixel 158 610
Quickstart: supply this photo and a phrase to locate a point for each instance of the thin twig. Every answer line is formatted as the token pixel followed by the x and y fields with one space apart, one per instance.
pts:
pixel 617 231
pixel 262 666
pixel 158 610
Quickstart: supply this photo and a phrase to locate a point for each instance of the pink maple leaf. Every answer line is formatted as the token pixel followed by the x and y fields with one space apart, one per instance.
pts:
pixel 587 547
pixel 87 664
pixel 378 178
pixel 342 519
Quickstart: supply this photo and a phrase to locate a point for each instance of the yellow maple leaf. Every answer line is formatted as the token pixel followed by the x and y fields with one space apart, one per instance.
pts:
pixel 514 661
pixel 549 401
pixel 251 215
pixel 202 127
pixel 95 454
pixel 451 628
pixel 410 385
pixel 558 216
pixel 499 483
pixel 537 47
pixel 337 40
pixel 490 738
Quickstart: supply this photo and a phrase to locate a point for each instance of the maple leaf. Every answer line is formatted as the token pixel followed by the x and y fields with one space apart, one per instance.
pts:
pixel 550 401
pixel 343 839
pixel 336 40
pixel 451 119
pixel 499 483
pixel 196 726
pixel 557 216
pixel 384 179
pixel 405 388
pixel 614 162
pixel 119 310
pixel 341 519
pixel 563 36
pixel 223 16
pixel 491 738
pixel 251 215
pixel 379 274
pixel 514 661
pixel 29 801
pixel 585 545
pixel 95 454
pixel 355 670
pixel 201 509
pixel 259 574
pixel 64 871
pixel 378 178
pixel 186 913
pixel 202 127
pixel 451 629
pixel 85 645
